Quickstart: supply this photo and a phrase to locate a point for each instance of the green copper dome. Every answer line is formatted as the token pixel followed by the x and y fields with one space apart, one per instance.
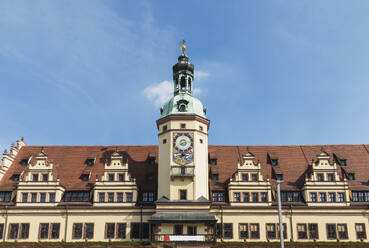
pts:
pixel 182 102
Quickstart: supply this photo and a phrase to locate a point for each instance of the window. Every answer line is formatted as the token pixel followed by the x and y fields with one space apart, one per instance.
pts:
pixel 245 177
pixel 148 196
pixel 55 230
pixel 183 194
pixel 361 196
pixel 110 197
pixel 254 231
pixel 24 197
pixel 244 234
pixel 119 197
pixel 332 197
pixel 101 197
pixel 218 196
pixel 228 230
pixel 263 196
pixel 135 230
pixel 129 197
pixel 24 231
pixel 111 177
pixel 149 176
pixel 51 197
pixel 236 197
pixel 213 161
pixel 165 128
pixel 109 230
pixel 366 195
pixel 85 177
pixel 191 230
pixel 45 177
pixel 320 177
pixel 33 197
pixel 90 161
pixel 77 196
pixel 215 177
pixel 274 161
pixel 44 231
pixel 183 125
pixel 201 141
pixel 255 197
pixel 42 197
pixel 331 231
pixel 279 177
pixel 343 162
pixel 284 230
pixel 341 197
pixel 360 231
pixel 77 230
pixel 254 177
pixel 178 230
pixel 121 177
pixel 164 141
pixel 16 177
pixel 246 196
pixel 201 128
pixel 121 232
pixel 1 231
pixel 330 177
pixel 218 230
pixel 313 231
pixel 271 231
pixel 342 231
pixel 24 161
pixel 291 196
pixel 323 197
pixel 152 161
pixel 5 196
pixel 313 197
pixel 35 177
pixel 13 233
pixel 18 231
pixel 351 176
pixel 89 231
pixel 301 231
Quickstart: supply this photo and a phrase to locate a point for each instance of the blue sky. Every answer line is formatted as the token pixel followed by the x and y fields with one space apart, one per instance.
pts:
pixel 269 72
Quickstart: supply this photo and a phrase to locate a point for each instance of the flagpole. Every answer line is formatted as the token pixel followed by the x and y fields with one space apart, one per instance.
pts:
pixel 280 213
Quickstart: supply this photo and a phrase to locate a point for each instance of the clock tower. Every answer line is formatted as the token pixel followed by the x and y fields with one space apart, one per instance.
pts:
pixel 183 139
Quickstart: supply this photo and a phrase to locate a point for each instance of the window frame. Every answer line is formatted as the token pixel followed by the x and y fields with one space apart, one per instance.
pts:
pixel 363 232
pixel 246 236
pixel 305 231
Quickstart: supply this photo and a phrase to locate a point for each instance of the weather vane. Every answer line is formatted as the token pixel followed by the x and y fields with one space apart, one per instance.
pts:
pixel 183 47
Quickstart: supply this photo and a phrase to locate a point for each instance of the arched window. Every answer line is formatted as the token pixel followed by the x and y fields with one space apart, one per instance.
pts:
pixel 176 86
pixel 183 83
pixel 189 84
pixel 182 108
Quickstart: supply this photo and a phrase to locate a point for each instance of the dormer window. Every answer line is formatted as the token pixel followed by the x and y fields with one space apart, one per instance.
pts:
pixel 152 161
pixel 279 176
pixel 121 177
pixel 343 162
pixel 90 161
pixel 85 177
pixel 351 176
pixel 35 177
pixel 245 177
pixel 330 177
pixel 24 161
pixel 111 177
pixel 15 177
pixel 274 162
pixel 213 161
pixel 320 177
pixel 45 177
pixel 215 177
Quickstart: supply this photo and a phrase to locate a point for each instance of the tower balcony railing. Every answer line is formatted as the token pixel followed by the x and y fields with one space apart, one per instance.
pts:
pixel 182 171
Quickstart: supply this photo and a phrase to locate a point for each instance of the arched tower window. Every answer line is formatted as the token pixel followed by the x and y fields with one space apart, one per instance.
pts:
pixel 189 84
pixel 182 108
pixel 183 83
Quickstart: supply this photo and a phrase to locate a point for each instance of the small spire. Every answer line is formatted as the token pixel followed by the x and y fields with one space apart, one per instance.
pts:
pixel 5 151
pixel 183 46
pixel 22 139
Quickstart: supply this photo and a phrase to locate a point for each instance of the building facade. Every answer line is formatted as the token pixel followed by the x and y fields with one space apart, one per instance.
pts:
pixel 183 189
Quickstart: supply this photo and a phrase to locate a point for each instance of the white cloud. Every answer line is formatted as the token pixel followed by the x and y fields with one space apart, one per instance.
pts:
pixel 159 93
pixel 199 75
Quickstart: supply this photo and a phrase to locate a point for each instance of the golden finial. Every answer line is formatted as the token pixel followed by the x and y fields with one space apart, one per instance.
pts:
pixel 183 47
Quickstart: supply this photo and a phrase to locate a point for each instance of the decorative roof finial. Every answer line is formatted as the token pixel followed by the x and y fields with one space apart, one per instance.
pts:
pixel 22 139
pixel 5 151
pixel 183 47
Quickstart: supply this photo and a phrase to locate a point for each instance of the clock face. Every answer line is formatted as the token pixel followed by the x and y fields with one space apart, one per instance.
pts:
pixel 183 148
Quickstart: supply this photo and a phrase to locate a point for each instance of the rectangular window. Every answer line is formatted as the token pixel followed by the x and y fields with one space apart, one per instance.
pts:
pixel 351 176
pixel 218 196
pixel 263 196
pixel 77 196
pixel 119 197
pixel 330 177
pixel 77 230
pixel 109 230
pixel 254 231
pixel 320 177
pixel 215 177
pixel 89 231
pixel 111 177
pixel 85 177
pixel 366 195
pixel 213 161
pixel 110 197
pixel 5 196
pixel 360 231
pixel 129 197
pixel 323 197
pixel 201 128
pixel 148 196
pixel 244 232
pixel 228 230
pixel 218 230
pixel 361 196
pixel 331 231
pixel 246 196
pixel 101 197
pixel 178 230
pixel 301 231
pixel 236 197
pixel 255 197
pixel 284 230
pixel 42 197
pixel 35 177
pixel 51 197
pixel 341 197
pixel 191 230
pixel 271 231
pixel 121 232
pixel 45 177
pixel 183 125
pixel 291 196
pixel 33 197
pixel 1 231
pixel 245 177
pixel 24 231
pixel 313 231
pixel 254 177
pixel 332 197
pixel 355 196
pixel 121 177
pixel 24 197
pixel 44 231
pixel 313 197
pixel 342 231
pixel 13 232
pixel 55 230
pixel 183 194
pixel 165 128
